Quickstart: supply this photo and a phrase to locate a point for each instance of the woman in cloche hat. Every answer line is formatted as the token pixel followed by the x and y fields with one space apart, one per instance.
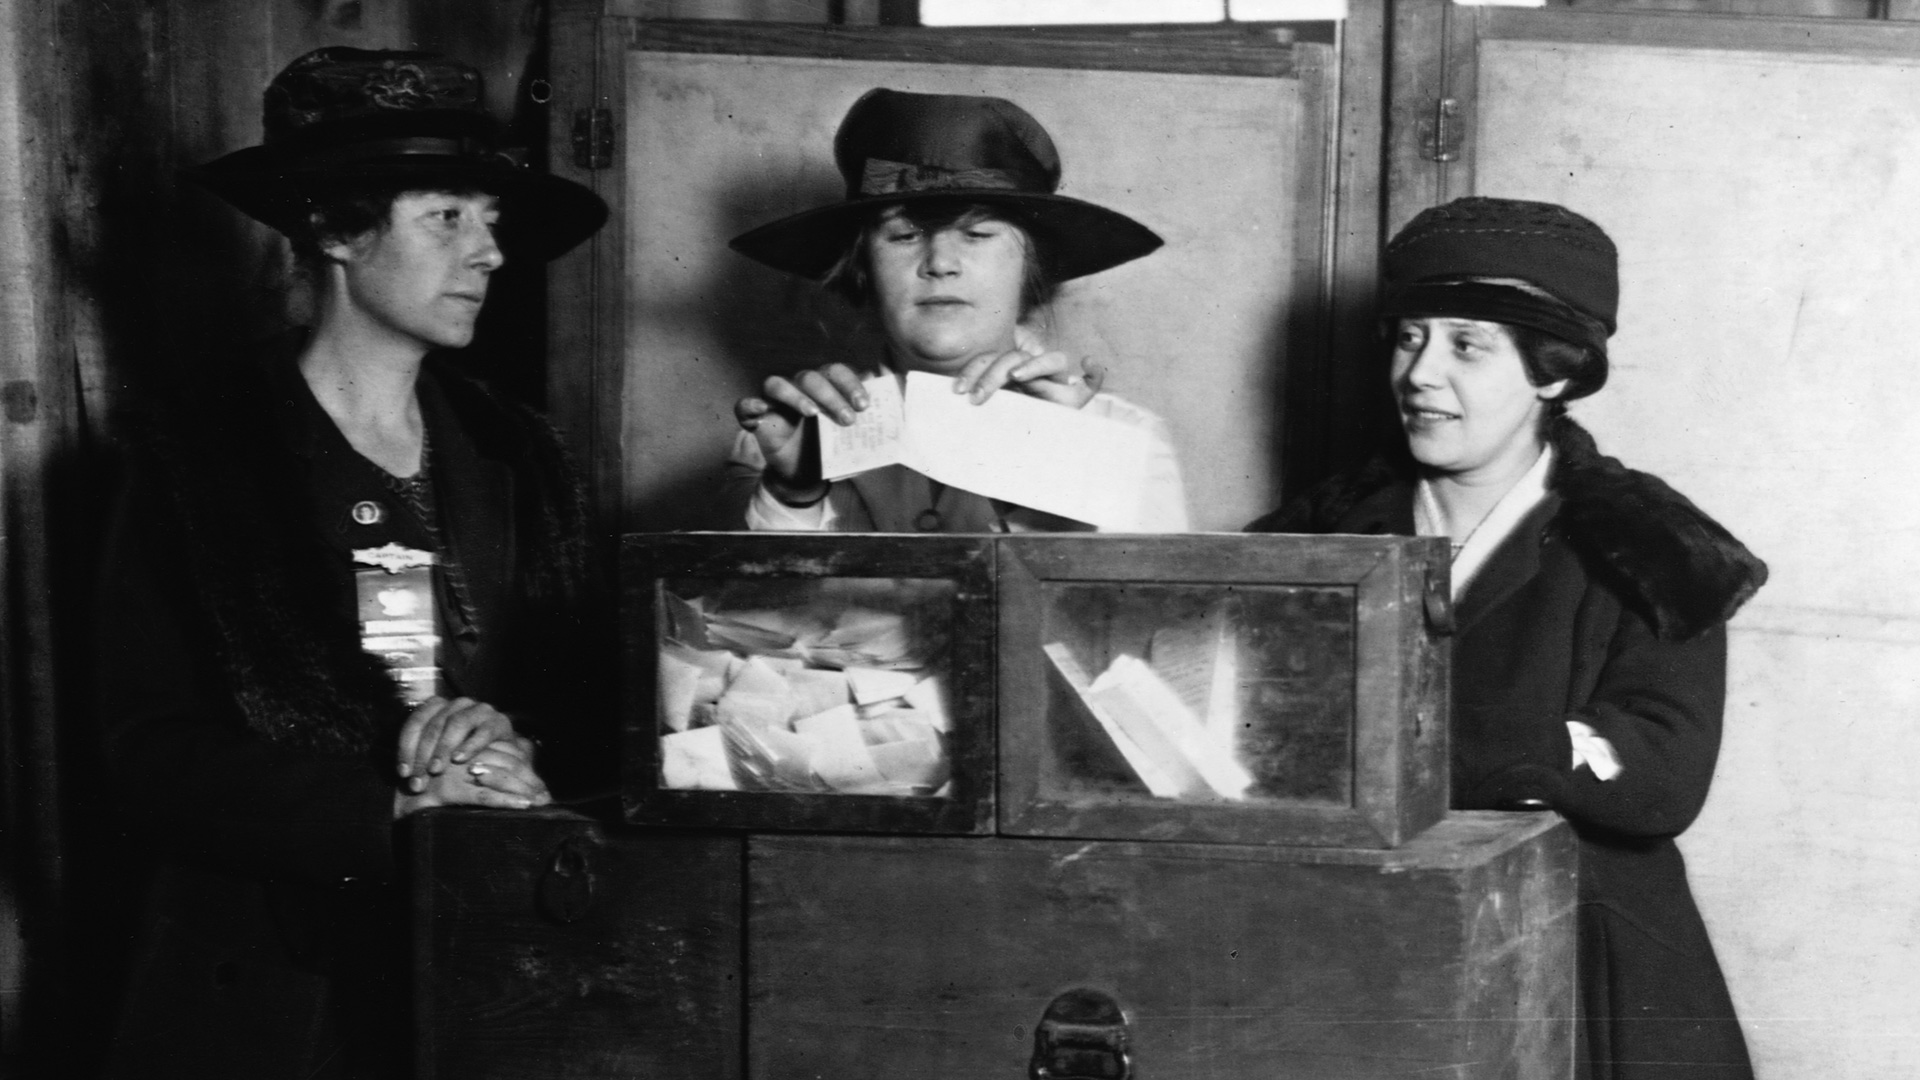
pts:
pixel 345 583
pixel 952 236
pixel 1589 659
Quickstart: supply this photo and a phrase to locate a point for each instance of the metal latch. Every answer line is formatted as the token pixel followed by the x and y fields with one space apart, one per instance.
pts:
pixel 1442 132
pixel 1437 598
pixel 593 138
pixel 564 892
pixel 1081 1036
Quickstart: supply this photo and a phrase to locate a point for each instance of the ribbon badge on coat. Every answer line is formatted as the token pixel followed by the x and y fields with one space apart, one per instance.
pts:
pixel 397 621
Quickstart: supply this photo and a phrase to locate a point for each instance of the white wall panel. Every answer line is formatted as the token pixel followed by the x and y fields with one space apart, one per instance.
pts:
pixel 1767 208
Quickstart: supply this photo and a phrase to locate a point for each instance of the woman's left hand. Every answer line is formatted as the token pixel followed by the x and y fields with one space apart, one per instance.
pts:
pixel 441 733
pixel 507 766
pixel 1032 369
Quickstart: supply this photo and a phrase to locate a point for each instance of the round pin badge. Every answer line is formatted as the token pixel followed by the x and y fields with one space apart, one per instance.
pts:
pixel 368 513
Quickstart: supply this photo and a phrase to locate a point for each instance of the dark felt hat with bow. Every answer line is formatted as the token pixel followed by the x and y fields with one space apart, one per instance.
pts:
pixel 896 147
pixel 340 117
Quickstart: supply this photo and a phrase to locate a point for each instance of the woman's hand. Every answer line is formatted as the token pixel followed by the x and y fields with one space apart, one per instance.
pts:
pixel 777 419
pixel 499 775
pixel 1032 369
pixel 441 734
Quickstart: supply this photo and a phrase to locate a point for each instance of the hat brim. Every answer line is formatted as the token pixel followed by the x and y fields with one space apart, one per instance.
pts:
pixel 1493 303
pixel 1082 238
pixel 542 216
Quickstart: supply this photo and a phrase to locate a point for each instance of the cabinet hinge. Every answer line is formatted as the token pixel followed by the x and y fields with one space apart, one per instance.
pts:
pixel 1442 131
pixel 593 138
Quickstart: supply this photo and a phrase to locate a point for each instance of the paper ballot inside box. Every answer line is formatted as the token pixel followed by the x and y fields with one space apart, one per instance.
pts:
pixel 1011 447
pixel 1173 752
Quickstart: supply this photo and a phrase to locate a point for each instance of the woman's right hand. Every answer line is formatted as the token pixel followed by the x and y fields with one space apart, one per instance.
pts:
pixel 777 418
pixel 500 775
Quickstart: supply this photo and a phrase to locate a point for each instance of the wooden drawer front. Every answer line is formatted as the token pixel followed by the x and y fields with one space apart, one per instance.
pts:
pixel 1450 956
pixel 550 947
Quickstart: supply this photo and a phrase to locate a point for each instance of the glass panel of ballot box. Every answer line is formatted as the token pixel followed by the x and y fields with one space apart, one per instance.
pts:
pixel 1242 689
pixel 810 681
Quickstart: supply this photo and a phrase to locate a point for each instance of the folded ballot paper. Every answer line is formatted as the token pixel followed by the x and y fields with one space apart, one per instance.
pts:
pixel 1012 447
pixel 842 701
pixel 1175 752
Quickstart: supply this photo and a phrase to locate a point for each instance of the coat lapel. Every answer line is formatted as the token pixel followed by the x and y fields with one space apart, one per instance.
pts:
pixel 475 494
pixel 1514 563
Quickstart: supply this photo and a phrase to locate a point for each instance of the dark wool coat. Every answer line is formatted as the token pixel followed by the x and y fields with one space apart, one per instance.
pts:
pixel 1607 605
pixel 252 740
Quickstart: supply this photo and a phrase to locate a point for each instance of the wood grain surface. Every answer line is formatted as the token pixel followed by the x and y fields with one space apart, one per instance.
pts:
pixel 1452 956
pixel 552 948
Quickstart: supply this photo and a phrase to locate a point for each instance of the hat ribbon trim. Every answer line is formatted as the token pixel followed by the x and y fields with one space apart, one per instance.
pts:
pixel 413 146
pixel 882 177
pixel 1482 299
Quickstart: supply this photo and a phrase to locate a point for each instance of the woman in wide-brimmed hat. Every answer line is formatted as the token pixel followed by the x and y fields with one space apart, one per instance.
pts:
pixel 1589 656
pixel 953 236
pixel 346 583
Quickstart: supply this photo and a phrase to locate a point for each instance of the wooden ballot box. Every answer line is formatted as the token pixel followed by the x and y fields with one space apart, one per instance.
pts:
pixel 1247 689
pixel 978 806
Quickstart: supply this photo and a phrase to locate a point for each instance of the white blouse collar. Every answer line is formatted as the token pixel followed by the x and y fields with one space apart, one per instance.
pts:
pixel 1470 556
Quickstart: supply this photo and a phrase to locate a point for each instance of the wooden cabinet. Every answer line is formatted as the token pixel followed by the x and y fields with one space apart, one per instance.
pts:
pixel 550 946
pixel 1336 923
pixel 1451 955
pixel 1345 928
pixel 565 948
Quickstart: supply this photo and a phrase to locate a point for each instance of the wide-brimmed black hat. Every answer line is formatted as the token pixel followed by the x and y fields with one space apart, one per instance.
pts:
pixel 896 147
pixel 339 117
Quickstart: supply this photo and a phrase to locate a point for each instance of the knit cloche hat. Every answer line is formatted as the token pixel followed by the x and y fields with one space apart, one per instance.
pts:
pixel 896 147
pixel 1462 259
pixel 340 116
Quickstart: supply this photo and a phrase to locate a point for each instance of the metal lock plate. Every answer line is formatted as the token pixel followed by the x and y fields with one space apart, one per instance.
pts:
pixel 1082 1036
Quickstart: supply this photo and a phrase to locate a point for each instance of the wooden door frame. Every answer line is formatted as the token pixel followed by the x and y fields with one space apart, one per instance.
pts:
pixel 1330 422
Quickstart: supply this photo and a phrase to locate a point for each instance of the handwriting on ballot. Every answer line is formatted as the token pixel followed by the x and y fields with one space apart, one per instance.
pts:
pixel 873 439
pixel 1012 447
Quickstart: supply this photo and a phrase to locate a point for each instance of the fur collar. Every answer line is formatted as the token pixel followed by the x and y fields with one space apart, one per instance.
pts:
pixel 1685 570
